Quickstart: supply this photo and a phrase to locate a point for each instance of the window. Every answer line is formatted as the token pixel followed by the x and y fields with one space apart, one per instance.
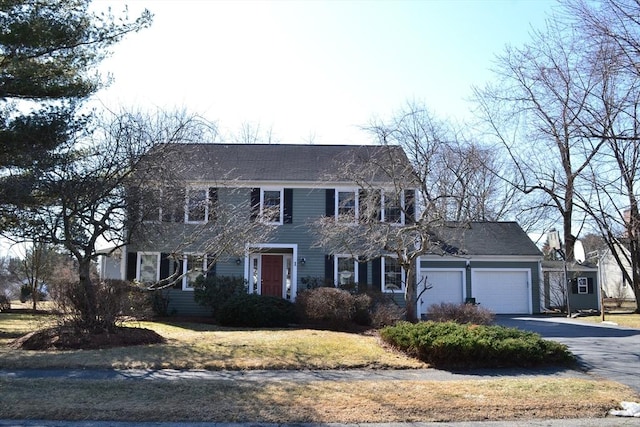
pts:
pixel 200 204
pixel 197 205
pixel 347 205
pixel 392 275
pixel 345 269
pixel 392 208
pixel 148 267
pixel 150 204
pixel 271 206
pixel 583 285
pixel 194 265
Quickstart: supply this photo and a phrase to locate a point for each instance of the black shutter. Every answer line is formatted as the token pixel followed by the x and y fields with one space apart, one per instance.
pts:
pixel 376 274
pixel 328 270
pixel 363 278
pixel 132 267
pixel 330 202
pixel 574 286
pixel 255 203
pixel 590 285
pixel 133 205
pixel 362 205
pixel 410 206
pixel 213 203
pixel 288 205
pixel 164 266
pixel 177 263
pixel 211 269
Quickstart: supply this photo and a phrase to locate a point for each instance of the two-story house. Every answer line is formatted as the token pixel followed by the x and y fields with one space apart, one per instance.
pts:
pixel 206 218
pixel 286 187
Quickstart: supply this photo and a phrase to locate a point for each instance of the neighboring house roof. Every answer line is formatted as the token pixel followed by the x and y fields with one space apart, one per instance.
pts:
pixel 486 239
pixel 571 266
pixel 279 162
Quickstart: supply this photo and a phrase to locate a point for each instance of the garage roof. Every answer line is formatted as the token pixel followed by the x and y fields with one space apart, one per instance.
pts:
pixel 486 238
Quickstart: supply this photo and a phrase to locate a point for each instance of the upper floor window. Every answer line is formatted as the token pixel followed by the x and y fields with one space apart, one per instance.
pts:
pixel 347 205
pixel 193 266
pixel 197 205
pixel 392 207
pixel 392 275
pixel 345 269
pixel 271 206
pixel 151 204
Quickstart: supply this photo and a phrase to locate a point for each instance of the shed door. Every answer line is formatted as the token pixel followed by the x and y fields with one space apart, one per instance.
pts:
pixel 444 286
pixel 502 291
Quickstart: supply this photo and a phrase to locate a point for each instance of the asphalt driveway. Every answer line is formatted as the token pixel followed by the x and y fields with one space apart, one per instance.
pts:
pixel 605 350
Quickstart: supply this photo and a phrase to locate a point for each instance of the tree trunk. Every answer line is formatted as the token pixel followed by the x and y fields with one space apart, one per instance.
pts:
pixel 410 294
pixel 34 295
pixel 89 307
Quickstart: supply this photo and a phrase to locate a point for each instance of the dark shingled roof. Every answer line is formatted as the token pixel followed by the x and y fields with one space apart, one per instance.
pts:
pixel 487 238
pixel 273 162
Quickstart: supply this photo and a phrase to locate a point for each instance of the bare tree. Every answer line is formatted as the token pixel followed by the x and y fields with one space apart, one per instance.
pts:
pixel 536 112
pixel 427 181
pixel 613 27
pixel 83 200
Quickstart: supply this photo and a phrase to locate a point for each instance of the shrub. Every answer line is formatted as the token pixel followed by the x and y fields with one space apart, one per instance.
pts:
pixel 253 310
pixel 114 299
pixel 215 291
pixel 386 313
pixel 338 309
pixel 452 345
pixel 5 304
pixel 328 306
pixel 460 313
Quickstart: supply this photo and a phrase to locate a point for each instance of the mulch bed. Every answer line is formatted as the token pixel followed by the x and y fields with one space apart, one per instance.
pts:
pixel 67 338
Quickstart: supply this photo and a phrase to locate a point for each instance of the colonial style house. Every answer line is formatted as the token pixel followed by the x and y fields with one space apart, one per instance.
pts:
pixel 288 187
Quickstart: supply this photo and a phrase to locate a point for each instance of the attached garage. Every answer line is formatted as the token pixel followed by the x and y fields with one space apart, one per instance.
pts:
pixel 443 285
pixel 503 291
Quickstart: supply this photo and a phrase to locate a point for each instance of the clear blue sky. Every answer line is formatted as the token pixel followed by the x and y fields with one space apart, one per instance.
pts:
pixel 313 70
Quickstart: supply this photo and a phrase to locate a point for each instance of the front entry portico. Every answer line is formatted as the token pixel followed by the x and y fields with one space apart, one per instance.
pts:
pixel 272 270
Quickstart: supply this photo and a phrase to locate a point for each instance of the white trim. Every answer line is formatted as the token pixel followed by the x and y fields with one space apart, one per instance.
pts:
pixel 383 278
pixel 138 264
pixel 206 204
pixel 383 214
pixel 336 201
pixel 336 273
pixel 185 268
pixel 248 263
pixel 281 216
pixel 585 281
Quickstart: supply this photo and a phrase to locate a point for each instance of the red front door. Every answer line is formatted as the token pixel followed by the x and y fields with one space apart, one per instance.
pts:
pixel 272 275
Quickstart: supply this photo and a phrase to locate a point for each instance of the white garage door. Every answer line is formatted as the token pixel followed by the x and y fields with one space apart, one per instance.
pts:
pixel 445 286
pixel 502 291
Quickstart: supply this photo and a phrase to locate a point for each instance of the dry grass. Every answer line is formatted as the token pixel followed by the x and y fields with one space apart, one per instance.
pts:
pixel 200 346
pixel 191 345
pixel 630 320
pixel 314 401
